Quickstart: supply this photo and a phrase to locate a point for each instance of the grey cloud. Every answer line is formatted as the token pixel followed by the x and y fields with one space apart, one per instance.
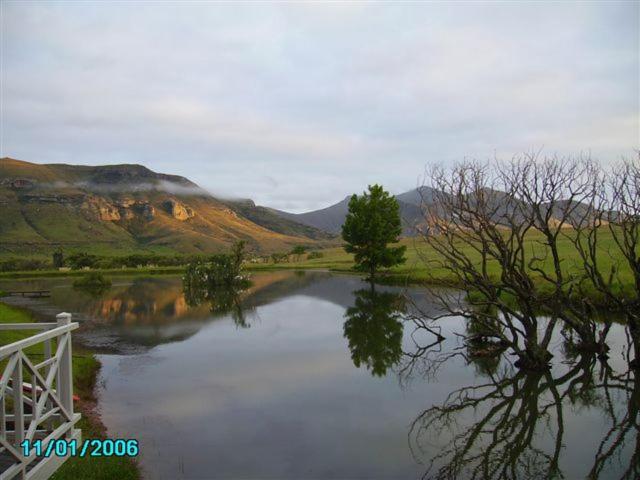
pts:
pixel 322 98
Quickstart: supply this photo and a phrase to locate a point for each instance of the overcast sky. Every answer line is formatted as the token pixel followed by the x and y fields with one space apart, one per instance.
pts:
pixel 296 105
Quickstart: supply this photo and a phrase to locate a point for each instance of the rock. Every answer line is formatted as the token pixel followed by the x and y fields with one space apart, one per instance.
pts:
pixel 146 210
pixel 109 213
pixel 125 203
pixel 178 210
pixel 21 183
pixel 127 214
pixel 75 198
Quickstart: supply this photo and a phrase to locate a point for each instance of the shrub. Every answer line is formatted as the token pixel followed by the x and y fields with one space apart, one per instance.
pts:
pixel 94 282
pixel 81 260
pixel 222 269
pixel 18 264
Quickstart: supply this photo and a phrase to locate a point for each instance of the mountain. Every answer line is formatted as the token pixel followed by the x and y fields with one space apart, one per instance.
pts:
pixel 126 208
pixel 330 219
pixel 418 196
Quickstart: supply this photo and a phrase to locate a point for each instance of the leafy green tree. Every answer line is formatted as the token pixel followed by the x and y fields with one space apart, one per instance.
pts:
pixel 58 259
pixel 298 251
pixel 373 222
pixel 81 260
pixel 238 254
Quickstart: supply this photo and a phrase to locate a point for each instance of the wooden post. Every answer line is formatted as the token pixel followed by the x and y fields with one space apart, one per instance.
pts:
pixel 65 378
pixel 18 404
pixel 47 356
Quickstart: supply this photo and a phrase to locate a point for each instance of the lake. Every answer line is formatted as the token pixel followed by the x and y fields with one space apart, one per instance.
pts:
pixel 312 375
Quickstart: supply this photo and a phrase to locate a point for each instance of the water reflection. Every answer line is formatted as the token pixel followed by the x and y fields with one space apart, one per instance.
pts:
pixel 483 351
pixel 374 329
pixel 512 427
pixel 220 299
pixel 291 376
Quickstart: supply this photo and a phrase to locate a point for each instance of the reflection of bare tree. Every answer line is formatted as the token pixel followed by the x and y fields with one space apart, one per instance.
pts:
pixel 624 425
pixel 491 430
pixel 221 300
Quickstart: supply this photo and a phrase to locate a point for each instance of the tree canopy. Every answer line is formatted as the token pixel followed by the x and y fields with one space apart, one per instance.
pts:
pixel 373 222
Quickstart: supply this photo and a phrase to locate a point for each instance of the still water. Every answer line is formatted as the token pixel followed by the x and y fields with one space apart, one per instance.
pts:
pixel 312 375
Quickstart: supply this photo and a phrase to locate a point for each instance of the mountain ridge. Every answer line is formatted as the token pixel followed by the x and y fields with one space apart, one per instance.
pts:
pixel 331 218
pixel 128 206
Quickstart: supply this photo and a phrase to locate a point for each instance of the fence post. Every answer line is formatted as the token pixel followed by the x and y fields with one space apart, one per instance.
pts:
pixel 65 378
pixel 18 402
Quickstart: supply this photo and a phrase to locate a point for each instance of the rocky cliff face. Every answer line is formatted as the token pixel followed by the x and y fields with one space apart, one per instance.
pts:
pixel 108 213
pixel 178 210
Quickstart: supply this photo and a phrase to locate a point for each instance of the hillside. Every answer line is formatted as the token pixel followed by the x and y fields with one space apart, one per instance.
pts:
pixel 122 209
pixel 329 219
pixel 271 219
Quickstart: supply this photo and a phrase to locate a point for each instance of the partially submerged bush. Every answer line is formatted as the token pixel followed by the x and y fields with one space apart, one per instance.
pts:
pixel 218 281
pixel 94 282
pixel 222 269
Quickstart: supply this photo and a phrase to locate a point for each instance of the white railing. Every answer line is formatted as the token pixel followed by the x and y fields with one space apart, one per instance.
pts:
pixel 42 408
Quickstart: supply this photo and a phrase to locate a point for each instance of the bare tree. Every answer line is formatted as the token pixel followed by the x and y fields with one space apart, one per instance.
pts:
pixel 500 234
pixel 612 269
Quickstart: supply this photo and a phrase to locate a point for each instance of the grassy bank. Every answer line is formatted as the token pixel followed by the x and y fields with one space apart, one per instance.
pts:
pixel 80 273
pixel 422 262
pixel 85 371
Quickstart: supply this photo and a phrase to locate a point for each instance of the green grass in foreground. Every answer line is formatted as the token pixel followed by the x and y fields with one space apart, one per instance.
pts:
pixel 85 371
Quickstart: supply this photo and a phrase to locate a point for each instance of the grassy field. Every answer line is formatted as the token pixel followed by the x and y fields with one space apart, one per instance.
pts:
pixel 423 262
pixel 85 371
pixel 423 265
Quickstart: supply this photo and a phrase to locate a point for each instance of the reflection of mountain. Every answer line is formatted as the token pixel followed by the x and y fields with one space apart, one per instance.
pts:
pixel 145 301
pixel 157 300
pixel 153 310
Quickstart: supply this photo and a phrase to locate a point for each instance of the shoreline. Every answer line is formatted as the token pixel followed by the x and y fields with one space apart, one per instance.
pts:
pixel 405 277
pixel 86 368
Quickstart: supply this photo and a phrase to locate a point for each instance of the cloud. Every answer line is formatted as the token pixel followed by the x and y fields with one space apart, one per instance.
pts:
pixel 160 185
pixel 321 98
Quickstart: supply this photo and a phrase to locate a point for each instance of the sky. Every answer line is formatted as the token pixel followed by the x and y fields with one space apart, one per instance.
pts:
pixel 297 105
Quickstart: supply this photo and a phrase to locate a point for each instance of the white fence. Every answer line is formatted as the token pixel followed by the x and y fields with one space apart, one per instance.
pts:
pixel 36 398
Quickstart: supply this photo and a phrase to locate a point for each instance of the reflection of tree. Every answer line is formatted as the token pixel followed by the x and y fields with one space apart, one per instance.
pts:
pixel 221 299
pixel 482 348
pixel 491 429
pixel 624 425
pixel 374 329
